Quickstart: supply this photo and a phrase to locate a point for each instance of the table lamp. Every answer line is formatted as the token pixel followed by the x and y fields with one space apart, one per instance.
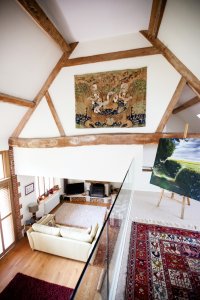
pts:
pixel 33 208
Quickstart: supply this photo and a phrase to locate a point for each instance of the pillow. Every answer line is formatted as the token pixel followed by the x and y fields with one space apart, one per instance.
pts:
pixel 46 229
pixel 75 235
pixel 52 223
pixel 45 219
pixel 94 230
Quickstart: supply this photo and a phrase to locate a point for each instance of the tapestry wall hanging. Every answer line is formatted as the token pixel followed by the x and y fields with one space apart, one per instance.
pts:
pixel 111 99
pixel 177 166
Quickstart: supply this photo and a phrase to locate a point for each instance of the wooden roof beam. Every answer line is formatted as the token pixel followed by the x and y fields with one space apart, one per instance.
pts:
pixel 16 100
pixel 157 11
pixel 111 56
pixel 186 105
pixel 171 105
pixel 39 96
pixel 174 61
pixel 96 139
pixel 54 114
pixel 38 15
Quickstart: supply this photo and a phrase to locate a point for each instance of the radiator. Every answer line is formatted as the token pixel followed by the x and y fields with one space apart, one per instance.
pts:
pixel 51 203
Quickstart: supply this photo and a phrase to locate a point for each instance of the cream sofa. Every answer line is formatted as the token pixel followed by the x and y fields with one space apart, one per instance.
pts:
pixel 69 242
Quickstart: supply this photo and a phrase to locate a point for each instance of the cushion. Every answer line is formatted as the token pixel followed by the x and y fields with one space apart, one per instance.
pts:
pixel 52 223
pixel 75 235
pixel 46 229
pixel 94 230
pixel 45 219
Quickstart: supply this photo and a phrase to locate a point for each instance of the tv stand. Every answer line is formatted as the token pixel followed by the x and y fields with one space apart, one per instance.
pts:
pixel 86 198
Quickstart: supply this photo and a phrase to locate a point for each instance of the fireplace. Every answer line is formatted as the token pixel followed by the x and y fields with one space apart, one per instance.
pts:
pixel 97 190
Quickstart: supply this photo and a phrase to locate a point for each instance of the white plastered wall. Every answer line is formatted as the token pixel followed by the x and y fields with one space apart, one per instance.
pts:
pixel 180 31
pixel 10 116
pixel 27 53
pixel 103 163
pixel 162 80
pixel 41 121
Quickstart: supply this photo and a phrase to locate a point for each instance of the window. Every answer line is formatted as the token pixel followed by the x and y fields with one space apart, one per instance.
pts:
pixel 7 236
pixel 44 184
pixel 1 166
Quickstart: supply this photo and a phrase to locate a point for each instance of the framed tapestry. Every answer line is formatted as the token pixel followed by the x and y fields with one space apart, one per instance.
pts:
pixel 111 99
pixel 177 166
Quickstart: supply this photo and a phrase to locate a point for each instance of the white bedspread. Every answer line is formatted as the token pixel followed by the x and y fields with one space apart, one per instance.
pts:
pixel 80 215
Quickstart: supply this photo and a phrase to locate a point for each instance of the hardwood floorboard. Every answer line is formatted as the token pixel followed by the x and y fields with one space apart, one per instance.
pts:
pixel 55 269
pixel 21 258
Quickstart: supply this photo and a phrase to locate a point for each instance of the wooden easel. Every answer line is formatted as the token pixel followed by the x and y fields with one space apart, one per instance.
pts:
pixel 172 194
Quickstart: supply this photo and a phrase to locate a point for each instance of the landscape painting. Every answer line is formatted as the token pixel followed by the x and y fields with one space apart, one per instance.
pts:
pixel 111 99
pixel 177 166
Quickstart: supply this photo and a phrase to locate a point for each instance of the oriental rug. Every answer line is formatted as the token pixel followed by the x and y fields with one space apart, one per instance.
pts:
pixel 23 287
pixel 163 263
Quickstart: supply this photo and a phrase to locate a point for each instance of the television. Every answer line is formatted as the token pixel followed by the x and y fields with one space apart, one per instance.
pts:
pixel 74 188
pixel 177 166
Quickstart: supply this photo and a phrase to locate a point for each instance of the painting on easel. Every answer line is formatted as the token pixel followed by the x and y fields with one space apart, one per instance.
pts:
pixel 177 166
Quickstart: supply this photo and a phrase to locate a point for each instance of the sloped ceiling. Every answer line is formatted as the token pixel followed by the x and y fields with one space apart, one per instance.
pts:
pixel 92 20
pixel 189 115
pixel 28 54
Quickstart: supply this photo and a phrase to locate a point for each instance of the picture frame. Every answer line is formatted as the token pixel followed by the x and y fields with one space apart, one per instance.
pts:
pixel 29 188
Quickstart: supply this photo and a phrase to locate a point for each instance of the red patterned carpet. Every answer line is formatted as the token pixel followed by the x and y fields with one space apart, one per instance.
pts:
pixel 23 287
pixel 163 263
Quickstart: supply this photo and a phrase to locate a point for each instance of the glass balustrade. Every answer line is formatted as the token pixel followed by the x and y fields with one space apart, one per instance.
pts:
pixel 104 274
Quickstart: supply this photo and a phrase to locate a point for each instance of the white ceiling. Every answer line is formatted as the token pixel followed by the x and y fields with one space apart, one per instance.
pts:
pixel 189 115
pixel 83 20
pixel 28 54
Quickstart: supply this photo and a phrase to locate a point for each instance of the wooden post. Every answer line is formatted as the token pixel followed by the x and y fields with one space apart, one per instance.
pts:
pixel 185 131
pixel 162 193
pixel 183 208
pixel 188 200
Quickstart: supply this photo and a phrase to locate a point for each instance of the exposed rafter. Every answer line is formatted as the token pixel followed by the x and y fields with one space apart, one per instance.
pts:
pixel 39 96
pixel 171 105
pixel 157 11
pixel 16 100
pixel 186 105
pixel 96 139
pixel 38 15
pixel 174 61
pixel 111 56
pixel 54 114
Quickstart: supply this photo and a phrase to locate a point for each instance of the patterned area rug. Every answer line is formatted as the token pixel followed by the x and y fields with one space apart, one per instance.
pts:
pixel 163 263
pixel 23 287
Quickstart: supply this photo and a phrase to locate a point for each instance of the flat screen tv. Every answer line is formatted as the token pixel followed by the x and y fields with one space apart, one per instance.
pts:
pixel 74 188
pixel 177 166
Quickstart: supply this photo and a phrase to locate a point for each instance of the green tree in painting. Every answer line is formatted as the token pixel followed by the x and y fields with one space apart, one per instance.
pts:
pixel 165 149
pixel 172 168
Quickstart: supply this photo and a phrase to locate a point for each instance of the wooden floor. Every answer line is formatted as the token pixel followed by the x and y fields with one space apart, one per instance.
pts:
pixel 38 264
pixel 21 258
